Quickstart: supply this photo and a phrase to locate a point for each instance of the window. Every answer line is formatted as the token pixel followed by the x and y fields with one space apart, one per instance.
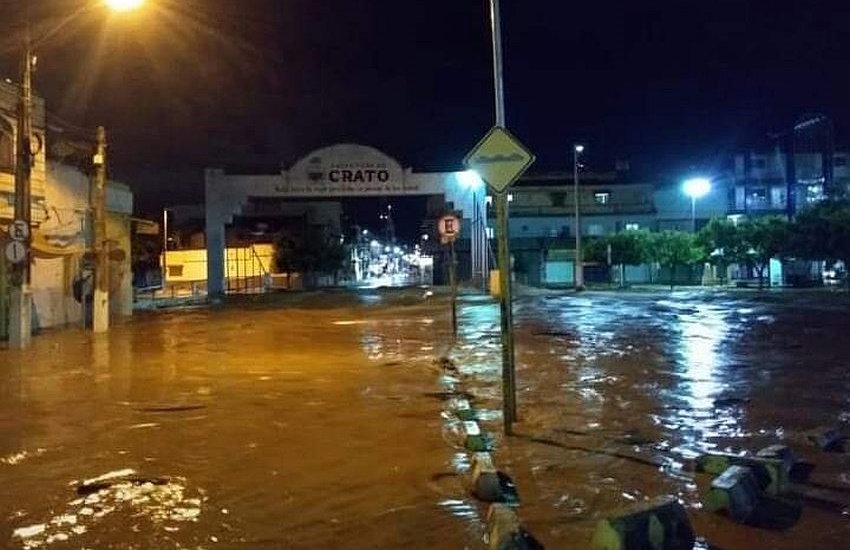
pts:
pixel 601 197
pixel 839 161
pixel 759 164
pixel 632 226
pixel 7 149
pixel 758 195
pixel 559 198
pixel 595 229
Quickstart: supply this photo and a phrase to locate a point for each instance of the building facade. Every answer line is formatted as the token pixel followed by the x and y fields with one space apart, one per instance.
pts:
pixel 62 229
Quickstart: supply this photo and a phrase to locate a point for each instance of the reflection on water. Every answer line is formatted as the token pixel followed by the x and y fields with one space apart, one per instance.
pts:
pixel 705 415
pixel 163 505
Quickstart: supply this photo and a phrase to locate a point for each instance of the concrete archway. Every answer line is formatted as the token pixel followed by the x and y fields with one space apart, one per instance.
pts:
pixel 337 171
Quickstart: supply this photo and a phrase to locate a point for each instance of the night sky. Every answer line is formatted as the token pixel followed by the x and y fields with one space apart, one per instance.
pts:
pixel 666 85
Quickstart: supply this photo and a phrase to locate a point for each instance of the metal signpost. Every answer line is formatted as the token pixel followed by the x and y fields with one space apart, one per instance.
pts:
pixel 449 228
pixel 499 159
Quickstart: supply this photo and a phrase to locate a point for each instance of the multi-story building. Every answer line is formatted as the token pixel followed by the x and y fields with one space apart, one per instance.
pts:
pixel 543 223
pixel 763 182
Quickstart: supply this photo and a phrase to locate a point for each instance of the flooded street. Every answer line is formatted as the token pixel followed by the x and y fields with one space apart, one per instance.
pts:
pixel 295 427
pixel 319 422
pixel 617 393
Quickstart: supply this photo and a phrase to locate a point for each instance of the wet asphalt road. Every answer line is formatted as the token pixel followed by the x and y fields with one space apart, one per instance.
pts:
pixel 317 422
pixel 618 392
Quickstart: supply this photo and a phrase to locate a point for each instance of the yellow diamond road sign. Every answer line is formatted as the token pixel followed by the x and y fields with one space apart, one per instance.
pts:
pixel 499 158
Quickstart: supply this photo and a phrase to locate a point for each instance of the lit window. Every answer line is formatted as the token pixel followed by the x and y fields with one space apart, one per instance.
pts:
pixel 510 197
pixel 632 226
pixel 602 197
pixel 490 233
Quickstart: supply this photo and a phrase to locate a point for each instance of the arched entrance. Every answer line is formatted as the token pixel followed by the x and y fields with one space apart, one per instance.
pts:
pixel 338 171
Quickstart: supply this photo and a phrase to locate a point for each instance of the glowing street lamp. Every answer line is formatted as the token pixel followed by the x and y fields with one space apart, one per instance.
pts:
pixel 696 188
pixel 470 180
pixel 123 5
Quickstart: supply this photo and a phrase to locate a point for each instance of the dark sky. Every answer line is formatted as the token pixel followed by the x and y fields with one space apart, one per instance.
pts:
pixel 192 83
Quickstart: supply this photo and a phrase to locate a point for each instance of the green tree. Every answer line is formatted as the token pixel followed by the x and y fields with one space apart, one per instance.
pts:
pixel 627 248
pixel 317 253
pixel 672 249
pixel 764 238
pixel 723 243
pixel 822 232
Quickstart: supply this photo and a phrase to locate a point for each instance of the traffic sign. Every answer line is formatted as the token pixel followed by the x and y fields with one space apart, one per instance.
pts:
pixel 499 158
pixel 449 227
pixel 19 230
pixel 16 252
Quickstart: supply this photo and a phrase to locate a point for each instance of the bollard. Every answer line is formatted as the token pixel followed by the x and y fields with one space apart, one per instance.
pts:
pixel 485 478
pixel 658 524
pixel 504 531
pixel 735 492
pixel 463 410
pixel 782 453
pixel 475 440
pixel 770 473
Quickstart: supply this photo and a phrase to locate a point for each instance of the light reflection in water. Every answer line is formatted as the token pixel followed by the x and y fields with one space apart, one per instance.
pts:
pixel 702 335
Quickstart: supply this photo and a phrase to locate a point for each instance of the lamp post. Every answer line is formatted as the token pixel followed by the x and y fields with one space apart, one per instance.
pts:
pixel 696 188
pixel 578 149
pixel 20 325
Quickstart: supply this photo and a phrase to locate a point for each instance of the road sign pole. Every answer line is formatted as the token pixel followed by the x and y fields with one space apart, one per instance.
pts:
pixel 508 368
pixel 496 25
pixel 453 281
pixel 506 305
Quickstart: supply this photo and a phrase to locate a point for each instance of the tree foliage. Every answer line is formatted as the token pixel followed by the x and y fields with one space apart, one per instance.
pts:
pixel 822 232
pixel 764 238
pixel 627 248
pixel 317 252
pixel 672 249
pixel 721 241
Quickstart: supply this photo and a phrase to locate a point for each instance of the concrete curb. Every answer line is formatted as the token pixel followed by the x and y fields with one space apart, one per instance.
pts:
pixel 661 524
pixel 486 485
pixel 504 530
pixel 770 474
pixel 735 492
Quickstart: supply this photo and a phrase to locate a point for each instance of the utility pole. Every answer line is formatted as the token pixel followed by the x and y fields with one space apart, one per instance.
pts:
pixel 20 322
pixel 579 268
pixel 100 304
pixel 505 298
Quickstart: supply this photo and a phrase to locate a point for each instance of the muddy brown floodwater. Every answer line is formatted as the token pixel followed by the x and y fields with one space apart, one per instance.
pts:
pixel 279 427
pixel 318 421
pixel 617 393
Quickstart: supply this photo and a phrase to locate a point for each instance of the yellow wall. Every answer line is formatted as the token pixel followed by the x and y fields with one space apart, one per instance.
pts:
pixel 191 265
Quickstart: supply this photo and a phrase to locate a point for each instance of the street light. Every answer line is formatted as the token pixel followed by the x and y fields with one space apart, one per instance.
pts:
pixel 469 179
pixel 123 5
pixel 696 188
pixel 578 149
pixel 20 325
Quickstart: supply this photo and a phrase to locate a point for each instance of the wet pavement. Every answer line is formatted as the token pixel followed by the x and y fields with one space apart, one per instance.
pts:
pixel 617 393
pixel 316 420
pixel 305 424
